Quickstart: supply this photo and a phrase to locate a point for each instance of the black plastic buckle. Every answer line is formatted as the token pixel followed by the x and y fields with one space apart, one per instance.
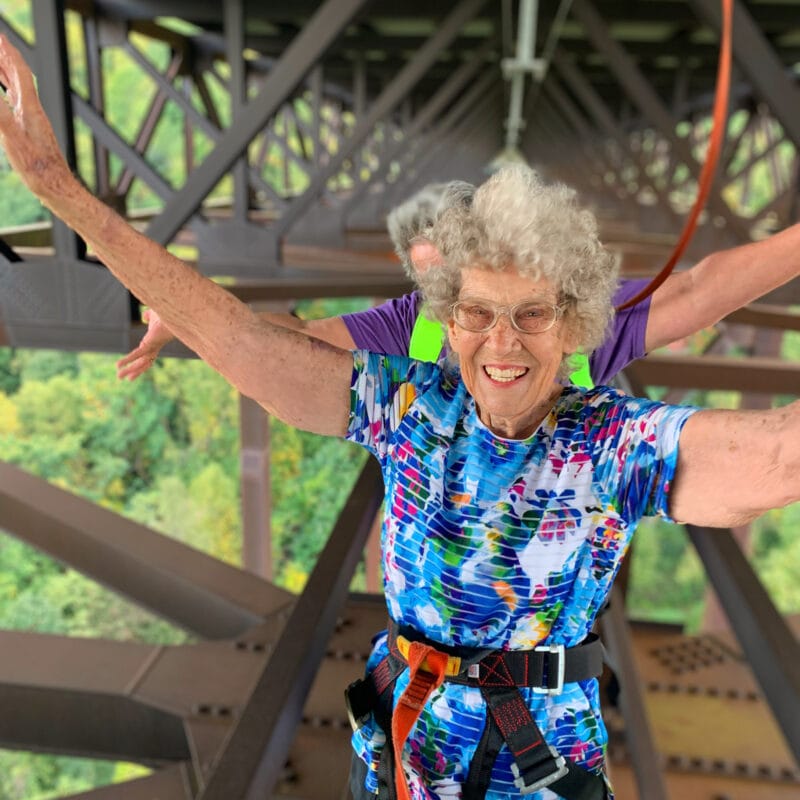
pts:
pixel 359 699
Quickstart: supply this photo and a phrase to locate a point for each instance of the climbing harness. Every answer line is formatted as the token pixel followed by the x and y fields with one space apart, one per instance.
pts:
pixel 712 156
pixel 498 674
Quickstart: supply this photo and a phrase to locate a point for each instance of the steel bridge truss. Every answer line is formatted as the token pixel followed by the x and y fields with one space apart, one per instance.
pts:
pixel 301 124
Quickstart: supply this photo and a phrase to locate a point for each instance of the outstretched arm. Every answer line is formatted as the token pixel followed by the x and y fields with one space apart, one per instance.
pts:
pixel 332 330
pixel 303 381
pixel 735 465
pixel 719 284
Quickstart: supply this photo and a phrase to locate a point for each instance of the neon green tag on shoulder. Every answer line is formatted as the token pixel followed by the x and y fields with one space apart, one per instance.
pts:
pixel 581 375
pixel 427 339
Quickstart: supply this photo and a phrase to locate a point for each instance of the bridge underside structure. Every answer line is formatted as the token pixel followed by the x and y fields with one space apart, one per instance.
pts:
pixel 303 124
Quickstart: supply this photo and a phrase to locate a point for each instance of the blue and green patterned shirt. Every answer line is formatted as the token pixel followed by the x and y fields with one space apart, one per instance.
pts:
pixel 503 544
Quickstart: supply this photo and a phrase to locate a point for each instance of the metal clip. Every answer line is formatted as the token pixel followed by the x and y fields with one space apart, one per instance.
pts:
pixel 355 722
pixel 556 650
pixel 559 772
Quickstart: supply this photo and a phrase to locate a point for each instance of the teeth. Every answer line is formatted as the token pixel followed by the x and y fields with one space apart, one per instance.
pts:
pixel 505 375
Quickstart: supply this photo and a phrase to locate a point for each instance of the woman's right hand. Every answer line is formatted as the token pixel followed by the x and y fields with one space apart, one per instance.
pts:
pixel 138 361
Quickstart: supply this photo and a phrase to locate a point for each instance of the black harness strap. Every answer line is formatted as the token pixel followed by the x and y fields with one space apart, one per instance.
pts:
pixel 537 764
pixel 480 769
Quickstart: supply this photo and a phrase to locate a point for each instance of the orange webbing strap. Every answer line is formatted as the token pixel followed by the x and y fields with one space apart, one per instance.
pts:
pixel 714 148
pixel 409 705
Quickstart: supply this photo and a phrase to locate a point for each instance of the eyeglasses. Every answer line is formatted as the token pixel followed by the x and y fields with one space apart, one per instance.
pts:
pixel 480 316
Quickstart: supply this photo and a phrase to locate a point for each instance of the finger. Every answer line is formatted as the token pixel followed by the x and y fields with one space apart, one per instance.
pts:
pixel 11 65
pixel 132 356
pixel 132 372
pixel 5 105
pixel 7 68
pixel 14 72
pixel 123 369
pixel 5 57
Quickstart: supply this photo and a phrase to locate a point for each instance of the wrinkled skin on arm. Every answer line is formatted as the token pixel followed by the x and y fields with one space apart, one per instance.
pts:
pixel 721 283
pixel 735 465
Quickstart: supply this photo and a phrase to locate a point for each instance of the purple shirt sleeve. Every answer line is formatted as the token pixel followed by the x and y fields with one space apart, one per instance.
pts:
pixel 625 340
pixel 386 328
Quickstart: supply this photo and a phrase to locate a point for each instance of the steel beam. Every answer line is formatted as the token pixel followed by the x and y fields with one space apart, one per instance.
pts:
pixel 638 734
pixel 767 641
pixel 163 716
pixel 222 673
pixel 391 96
pixel 461 117
pixel 181 584
pixel 766 316
pixel 606 121
pixel 209 125
pixel 112 141
pixel 756 59
pixel 89 724
pixel 148 126
pixel 256 503
pixel 254 755
pixel 54 92
pixel 445 95
pixel 46 302
pixel 637 88
pixel 359 99
pixel 233 11
pixel 316 85
pixel 597 154
pixel 765 375
pixel 305 50
pixel 94 68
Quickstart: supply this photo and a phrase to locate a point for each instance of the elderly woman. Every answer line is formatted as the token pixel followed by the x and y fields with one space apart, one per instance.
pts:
pixel 511 497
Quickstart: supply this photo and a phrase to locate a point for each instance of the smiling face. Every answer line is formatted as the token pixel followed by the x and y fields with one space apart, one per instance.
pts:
pixel 511 375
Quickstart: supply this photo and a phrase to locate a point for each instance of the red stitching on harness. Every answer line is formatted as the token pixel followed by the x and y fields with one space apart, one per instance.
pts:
pixel 382 676
pixel 512 716
pixel 492 665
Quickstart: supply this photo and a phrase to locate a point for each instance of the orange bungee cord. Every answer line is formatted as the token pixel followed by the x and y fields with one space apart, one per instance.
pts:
pixel 712 156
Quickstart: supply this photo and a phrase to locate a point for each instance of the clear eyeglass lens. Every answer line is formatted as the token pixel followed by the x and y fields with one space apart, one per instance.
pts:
pixel 527 317
pixel 474 316
pixel 534 317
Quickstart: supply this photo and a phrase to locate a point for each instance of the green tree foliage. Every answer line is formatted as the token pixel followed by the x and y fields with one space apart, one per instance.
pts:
pixel 311 478
pixel 10 376
pixel 17 205
pixel 776 556
pixel 667 581
pixel 26 776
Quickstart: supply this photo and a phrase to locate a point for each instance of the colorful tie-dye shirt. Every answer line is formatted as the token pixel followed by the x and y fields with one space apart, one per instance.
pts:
pixel 503 544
